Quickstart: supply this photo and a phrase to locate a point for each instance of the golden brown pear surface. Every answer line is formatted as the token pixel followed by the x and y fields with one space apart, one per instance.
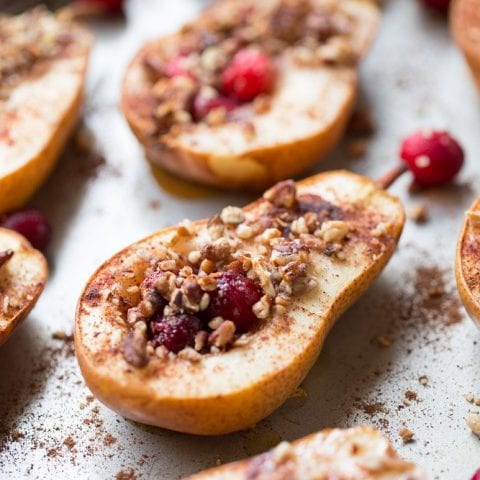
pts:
pixel 360 453
pixel 23 274
pixel 40 98
pixel 465 26
pixel 356 226
pixel 468 260
pixel 302 118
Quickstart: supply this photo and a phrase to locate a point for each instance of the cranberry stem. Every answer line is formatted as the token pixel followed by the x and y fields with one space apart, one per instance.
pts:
pixel 390 177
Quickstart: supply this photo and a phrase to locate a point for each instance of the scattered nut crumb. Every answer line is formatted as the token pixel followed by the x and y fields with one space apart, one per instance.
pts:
pixel 469 397
pixel 423 380
pixel 410 395
pixel 406 435
pixel 418 213
pixel 61 335
pixel 473 422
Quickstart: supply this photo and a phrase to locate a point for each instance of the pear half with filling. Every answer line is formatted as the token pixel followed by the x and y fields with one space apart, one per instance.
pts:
pixel 315 46
pixel 465 26
pixel 467 268
pixel 313 247
pixel 43 61
pixel 23 275
pixel 362 453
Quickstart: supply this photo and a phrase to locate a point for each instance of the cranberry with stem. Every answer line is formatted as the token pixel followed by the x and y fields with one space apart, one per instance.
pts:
pixel 249 74
pixel 30 223
pixel 174 332
pixel 233 300
pixel 433 157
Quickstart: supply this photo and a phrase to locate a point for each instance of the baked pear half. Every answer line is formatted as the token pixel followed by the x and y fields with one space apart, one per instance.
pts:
pixel 360 453
pixel 207 327
pixel 42 72
pixel 23 275
pixel 250 92
pixel 467 267
pixel 465 26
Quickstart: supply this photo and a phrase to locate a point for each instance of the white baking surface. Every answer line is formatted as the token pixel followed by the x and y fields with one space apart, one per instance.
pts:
pixel 414 77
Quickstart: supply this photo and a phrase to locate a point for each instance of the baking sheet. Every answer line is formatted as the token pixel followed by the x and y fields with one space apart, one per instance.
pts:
pixel 51 427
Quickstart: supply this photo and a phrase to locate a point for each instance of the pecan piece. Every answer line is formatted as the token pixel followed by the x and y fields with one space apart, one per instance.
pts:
pixel 283 194
pixel 134 348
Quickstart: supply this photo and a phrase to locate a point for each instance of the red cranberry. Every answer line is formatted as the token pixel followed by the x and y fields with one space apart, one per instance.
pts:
pixel 233 300
pixel 439 5
pixel 249 74
pixel 175 332
pixel 32 224
pixel 476 475
pixel 177 66
pixel 202 105
pixel 111 6
pixel 434 157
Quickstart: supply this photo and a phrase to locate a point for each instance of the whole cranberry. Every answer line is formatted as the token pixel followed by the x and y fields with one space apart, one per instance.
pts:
pixel 202 105
pixel 476 475
pixel 434 157
pixel 249 74
pixel 175 332
pixel 177 66
pixel 439 5
pixel 111 6
pixel 233 300
pixel 32 224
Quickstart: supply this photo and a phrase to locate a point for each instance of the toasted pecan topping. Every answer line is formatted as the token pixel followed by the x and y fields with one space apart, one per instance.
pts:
pixel 237 272
pixel 27 39
pixel 188 79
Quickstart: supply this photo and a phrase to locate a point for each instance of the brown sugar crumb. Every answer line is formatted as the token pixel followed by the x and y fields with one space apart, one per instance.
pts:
pixel 53 452
pixel 406 435
pixel 69 442
pixel 384 341
pixel 373 408
pixel 418 213
pixel 410 395
pixel 126 475
pixel 109 440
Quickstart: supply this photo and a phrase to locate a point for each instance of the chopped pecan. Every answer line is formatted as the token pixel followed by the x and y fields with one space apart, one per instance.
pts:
pixel 232 215
pixel 134 348
pixel 287 21
pixel 283 194
pixel 333 231
pixel 223 335
pixel 220 249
